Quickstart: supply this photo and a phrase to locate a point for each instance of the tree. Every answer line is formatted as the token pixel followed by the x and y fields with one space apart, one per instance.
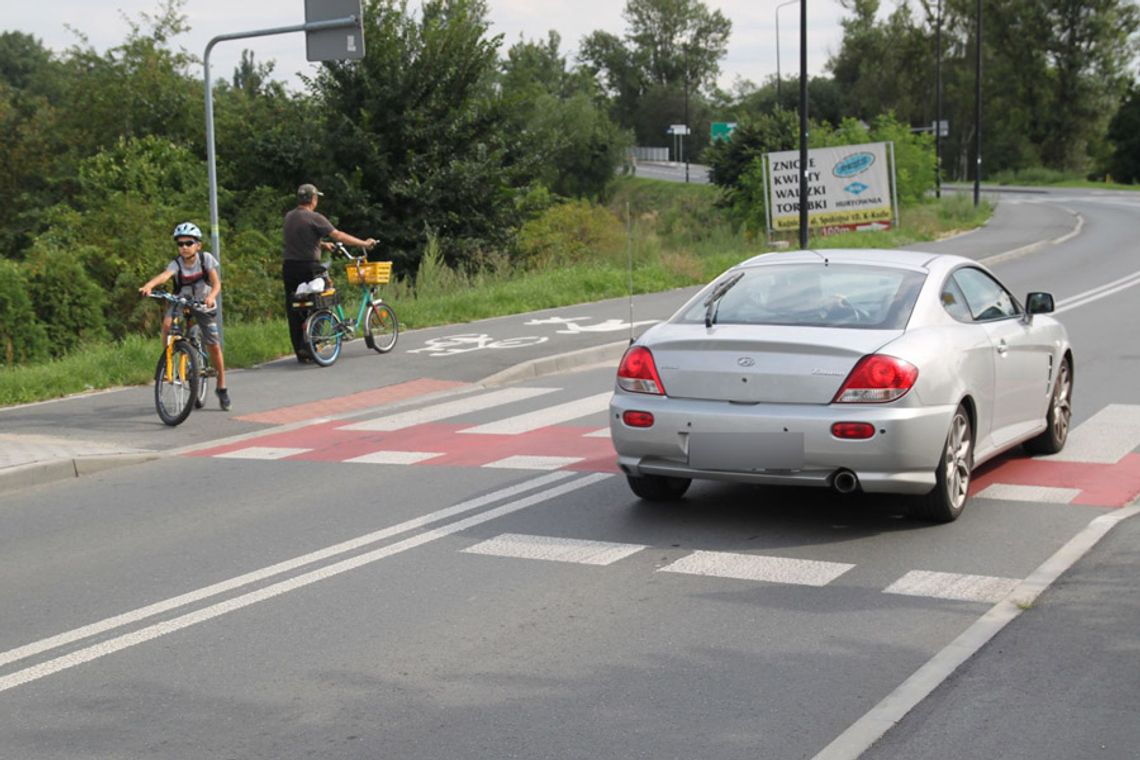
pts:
pixel 1124 134
pixel 672 45
pixel 564 131
pixel 419 137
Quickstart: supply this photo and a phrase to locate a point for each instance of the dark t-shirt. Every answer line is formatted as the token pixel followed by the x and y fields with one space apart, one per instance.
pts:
pixel 303 232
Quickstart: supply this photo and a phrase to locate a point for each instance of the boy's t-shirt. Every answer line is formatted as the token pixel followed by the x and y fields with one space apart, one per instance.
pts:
pixel 193 282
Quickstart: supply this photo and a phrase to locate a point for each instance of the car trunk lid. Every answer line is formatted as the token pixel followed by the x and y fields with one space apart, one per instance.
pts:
pixel 760 364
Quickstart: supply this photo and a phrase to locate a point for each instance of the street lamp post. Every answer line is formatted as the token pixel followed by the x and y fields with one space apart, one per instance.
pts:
pixel 938 103
pixel 778 7
pixel 804 127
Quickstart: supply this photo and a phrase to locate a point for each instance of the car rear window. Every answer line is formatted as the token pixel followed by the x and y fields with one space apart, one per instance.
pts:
pixel 813 295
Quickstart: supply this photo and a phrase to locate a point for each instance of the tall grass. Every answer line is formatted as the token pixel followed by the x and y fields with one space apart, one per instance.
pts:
pixel 674 233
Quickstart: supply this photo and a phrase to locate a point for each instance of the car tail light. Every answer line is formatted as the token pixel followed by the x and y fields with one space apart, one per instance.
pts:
pixel 638 373
pixel 877 379
pixel 853 431
pixel 637 419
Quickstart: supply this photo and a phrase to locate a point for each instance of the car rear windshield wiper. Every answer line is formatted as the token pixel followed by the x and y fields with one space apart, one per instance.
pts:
pixel 717 294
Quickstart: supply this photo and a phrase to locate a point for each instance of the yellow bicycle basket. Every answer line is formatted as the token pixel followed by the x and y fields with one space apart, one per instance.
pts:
pixel 372 272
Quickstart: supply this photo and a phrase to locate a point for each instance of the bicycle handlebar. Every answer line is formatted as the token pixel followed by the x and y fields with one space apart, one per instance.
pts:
pixel 182 301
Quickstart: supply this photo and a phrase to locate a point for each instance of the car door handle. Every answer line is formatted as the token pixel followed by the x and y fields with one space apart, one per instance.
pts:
pixel 1002 348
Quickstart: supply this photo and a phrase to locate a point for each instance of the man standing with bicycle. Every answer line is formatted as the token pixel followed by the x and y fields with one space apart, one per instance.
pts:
pixel 196 278
pixel 304 229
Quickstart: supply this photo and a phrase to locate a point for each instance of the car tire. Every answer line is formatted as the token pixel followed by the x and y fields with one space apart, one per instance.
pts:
pixel 658 487
pixel 1059 416
pixel 947 499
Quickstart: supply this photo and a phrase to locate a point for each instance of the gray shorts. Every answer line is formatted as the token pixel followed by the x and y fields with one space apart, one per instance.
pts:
pixel 207 321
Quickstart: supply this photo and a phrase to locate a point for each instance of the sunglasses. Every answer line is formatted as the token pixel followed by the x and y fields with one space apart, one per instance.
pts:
pixel 186 243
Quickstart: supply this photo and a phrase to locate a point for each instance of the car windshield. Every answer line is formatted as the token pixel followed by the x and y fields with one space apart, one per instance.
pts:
pixel 816 295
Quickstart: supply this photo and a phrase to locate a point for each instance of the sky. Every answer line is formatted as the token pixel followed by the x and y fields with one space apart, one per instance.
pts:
pixel 751 50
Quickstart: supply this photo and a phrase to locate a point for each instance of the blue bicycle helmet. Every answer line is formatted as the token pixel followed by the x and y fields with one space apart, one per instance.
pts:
pixel 187 229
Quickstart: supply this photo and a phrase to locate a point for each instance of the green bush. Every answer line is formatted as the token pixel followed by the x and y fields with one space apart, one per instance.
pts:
pixel 569 233
pixel 22 337
pixel 66 300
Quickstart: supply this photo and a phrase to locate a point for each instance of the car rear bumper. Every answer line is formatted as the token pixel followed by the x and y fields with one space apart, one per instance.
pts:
pixel 900 457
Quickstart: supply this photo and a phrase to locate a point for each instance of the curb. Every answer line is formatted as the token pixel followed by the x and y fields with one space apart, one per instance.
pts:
pixel 584 358
pixel 39 473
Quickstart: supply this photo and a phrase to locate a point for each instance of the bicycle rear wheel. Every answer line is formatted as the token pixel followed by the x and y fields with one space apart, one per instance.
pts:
pixel 381 328
pixel 203 367
pixel 176 383
pixel 322 336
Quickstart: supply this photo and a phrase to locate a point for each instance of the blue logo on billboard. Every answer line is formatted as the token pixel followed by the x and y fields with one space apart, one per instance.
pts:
pixel 856 163
pixel 856 187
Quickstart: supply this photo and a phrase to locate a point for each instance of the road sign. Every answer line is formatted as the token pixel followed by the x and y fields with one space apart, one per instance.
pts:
pixel 340 43
pixel 941 127
pixel 721 130
pixel 677 129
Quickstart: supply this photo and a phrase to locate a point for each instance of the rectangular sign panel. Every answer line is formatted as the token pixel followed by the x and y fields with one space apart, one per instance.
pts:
pixel 345 43
pixel 847 186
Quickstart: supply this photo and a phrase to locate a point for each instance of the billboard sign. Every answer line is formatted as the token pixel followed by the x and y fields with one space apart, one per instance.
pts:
pixel 848 187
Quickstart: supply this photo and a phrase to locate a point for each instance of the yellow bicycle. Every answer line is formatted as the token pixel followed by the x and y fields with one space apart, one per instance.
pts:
pixel 181 377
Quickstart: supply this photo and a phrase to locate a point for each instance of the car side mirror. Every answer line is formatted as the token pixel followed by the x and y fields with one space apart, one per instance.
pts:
pixel 1039 303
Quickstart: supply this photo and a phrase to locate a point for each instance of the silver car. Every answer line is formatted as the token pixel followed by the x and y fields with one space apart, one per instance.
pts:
pixel 884 371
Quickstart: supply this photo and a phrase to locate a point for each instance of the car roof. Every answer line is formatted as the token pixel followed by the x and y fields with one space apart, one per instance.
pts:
pixel 890 257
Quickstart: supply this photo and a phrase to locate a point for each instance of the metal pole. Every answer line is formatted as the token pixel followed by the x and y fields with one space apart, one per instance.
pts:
pixel 685 136
pixel 978 110
pixel 778 78
pixel 211 160
pixel 938 104
pixel 804 127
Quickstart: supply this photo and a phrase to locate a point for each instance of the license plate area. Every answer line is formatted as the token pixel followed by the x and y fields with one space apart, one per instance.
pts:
pixel 746 452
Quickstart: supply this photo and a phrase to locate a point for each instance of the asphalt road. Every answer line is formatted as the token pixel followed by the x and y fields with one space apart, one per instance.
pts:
pixel 459 572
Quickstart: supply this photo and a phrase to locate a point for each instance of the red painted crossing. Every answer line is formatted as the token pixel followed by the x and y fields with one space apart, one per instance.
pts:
pixel 1107 485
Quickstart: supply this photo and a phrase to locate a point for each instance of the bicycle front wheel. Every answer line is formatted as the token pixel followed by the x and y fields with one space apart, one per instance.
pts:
pixel 381 328
pixel 176 383
pixel 203 367
pixel 322 336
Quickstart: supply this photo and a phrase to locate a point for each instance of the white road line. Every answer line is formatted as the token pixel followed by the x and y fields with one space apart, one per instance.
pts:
pixel 448 409
pixel 395 457
pixel 1010 492
pixel 752 567
pixel 526 462
pixel 1097 293
pixel 555 549
pixel 963 588
pixel 262 452
pixel 1104 438
pixel 864 732
pixel 552 415
pixel 143 635
pixel 192 597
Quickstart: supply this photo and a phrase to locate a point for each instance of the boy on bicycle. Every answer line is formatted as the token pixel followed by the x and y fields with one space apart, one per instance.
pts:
pixel 196 277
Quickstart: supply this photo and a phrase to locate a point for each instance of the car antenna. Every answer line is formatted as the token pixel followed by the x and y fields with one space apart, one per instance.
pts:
pixel 629 265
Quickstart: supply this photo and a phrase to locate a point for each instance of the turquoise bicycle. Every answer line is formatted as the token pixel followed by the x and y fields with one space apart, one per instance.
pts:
pixel 326 326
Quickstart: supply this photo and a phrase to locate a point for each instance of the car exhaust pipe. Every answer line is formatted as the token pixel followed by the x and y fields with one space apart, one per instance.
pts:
pixel 845 481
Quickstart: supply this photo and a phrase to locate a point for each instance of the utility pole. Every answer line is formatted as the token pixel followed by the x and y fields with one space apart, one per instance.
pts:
pixel 978 110
pixel 804 127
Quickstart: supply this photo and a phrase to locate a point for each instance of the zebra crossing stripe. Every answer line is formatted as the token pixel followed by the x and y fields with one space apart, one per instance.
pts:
pixel 263 452
pixel 962 588
pixel 526 462
pixel 554 549
pixel 753 567
pixel 552 415
pixel 395 457
pixel 1008 492
pixel 447 409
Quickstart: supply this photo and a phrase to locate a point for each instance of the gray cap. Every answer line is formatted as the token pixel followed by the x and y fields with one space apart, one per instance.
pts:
pixel 307 192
